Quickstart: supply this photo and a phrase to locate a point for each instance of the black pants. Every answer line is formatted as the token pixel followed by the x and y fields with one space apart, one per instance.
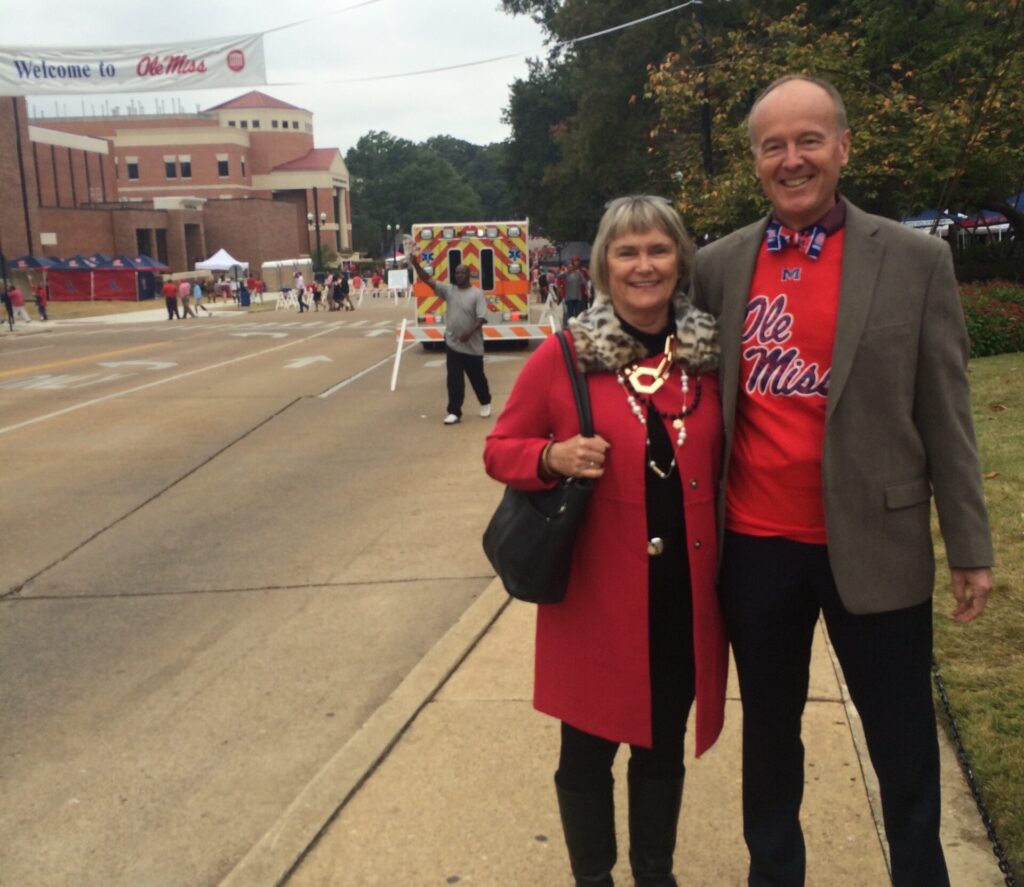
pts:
pixel 473 366
pixel 574 307
pixel 771 592
pixel 172 308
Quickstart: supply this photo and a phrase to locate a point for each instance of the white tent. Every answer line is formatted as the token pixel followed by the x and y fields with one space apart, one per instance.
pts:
pixel 221 261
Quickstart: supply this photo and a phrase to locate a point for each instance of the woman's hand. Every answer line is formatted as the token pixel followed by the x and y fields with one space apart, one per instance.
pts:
pixel 579 456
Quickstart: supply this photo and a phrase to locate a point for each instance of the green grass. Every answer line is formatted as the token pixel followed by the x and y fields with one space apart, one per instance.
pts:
pixel 982 663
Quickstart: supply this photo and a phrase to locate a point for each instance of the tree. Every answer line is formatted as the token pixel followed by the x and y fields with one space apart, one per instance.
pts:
pixel 580 122
pixel 942 128
pixel 483 168
pixel 395 181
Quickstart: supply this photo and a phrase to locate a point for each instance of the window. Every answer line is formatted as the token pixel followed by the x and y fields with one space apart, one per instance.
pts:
pixel 243 167
pixel 185 163
pixel 487 270
pixel 133 167
pixel 231 123
pixel 295 124
pixel 222 168
pixel 273 124
pixel 284 124
pixel 255 124
pixel 170 168
pixel 245 124
pixel 454 260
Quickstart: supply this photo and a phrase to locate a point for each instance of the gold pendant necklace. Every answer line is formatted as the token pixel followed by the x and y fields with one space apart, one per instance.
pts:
pixel 638 376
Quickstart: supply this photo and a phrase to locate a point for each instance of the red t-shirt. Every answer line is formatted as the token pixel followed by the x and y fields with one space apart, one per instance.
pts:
pixel 170 291
pixel 775 486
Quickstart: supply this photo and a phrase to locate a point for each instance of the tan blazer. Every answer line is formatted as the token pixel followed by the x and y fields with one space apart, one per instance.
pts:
pixel 898 426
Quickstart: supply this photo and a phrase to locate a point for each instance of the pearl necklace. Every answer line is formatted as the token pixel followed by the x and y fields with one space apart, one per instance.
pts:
pixel 678 419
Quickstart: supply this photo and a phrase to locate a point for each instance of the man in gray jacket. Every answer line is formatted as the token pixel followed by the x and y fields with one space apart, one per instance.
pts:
pixel 846 406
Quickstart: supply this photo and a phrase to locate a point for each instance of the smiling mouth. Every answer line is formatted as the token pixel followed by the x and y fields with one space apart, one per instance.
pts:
pixel 795 183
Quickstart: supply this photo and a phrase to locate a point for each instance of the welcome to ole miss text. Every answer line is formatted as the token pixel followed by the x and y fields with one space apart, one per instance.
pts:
pixel 148 66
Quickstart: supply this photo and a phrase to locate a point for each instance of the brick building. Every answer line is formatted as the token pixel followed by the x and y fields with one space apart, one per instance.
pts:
pixel 243 175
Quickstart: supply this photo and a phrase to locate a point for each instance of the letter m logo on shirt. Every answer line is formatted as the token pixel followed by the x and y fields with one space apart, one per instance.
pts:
pixel 790 274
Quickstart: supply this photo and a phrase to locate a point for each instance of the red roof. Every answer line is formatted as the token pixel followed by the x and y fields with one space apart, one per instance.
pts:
pixel 318 158
pixel 255 99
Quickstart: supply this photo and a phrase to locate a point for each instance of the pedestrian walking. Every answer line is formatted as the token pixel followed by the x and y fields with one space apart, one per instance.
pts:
pixel 41 301
pixel 197 297
pixel 185 295
pixel 170 292
pixel 18 305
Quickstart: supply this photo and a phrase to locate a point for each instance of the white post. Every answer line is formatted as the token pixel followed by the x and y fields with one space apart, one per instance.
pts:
pixel 398 353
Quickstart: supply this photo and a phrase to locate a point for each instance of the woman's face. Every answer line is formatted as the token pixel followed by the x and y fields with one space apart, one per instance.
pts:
pixel 643 272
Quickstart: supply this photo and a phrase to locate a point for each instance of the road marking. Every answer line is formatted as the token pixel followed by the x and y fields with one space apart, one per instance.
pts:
pixel 26 350
pixel 386 323
pixel 148 364
pixel 301 362
pixel 359 375
pixel 47 382
pixel 372 333
pixel 255 333
pixel 360 322
pixel 72 360
pixel 216 366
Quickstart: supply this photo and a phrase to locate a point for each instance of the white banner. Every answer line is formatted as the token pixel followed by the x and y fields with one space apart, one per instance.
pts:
pixel 226 62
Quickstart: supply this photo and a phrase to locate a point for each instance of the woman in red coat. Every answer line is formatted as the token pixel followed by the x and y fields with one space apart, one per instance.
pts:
pixel 638 637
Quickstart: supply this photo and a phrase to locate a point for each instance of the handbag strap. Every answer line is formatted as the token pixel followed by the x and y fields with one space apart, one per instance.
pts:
pixel 579 388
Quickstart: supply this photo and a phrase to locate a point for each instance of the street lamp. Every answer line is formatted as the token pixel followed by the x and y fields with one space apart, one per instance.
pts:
pixel 394 230
pixel 316 221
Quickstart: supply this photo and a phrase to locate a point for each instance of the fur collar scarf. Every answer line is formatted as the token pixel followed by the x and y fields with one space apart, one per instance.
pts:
pixel 603 345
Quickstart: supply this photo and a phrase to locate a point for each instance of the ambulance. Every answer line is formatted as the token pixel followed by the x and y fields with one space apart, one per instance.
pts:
pixel 499 263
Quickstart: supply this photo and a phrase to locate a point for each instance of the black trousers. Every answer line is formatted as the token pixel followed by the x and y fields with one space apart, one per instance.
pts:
pixel 472 365
pixel 771 591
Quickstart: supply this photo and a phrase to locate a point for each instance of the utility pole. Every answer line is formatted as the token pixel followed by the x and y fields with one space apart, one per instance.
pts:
pixel 704 61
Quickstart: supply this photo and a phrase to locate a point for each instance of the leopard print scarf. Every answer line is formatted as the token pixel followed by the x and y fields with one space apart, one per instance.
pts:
pixel 603 345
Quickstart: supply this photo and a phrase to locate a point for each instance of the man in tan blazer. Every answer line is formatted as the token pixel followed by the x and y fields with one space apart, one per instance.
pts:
pixel 847 409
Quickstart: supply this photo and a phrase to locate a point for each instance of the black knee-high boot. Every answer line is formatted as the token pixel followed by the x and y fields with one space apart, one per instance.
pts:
pixel 588 821
pixel 653 822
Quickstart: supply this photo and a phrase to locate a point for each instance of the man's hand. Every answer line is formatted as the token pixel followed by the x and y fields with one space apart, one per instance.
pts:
pixel 971 589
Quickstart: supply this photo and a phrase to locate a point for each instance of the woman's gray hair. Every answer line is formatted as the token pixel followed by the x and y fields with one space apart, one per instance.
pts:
pixel 638 214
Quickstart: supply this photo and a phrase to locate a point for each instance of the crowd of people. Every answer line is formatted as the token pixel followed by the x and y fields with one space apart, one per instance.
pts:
pixel 773 415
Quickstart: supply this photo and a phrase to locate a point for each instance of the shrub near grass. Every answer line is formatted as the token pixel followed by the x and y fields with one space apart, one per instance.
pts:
pixel 982 663
pixel 994 312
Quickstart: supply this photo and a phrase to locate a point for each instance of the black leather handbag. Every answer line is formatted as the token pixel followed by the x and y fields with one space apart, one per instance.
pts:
pixel 530 538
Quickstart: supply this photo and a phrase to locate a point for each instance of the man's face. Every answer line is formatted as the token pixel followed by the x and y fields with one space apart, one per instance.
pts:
pixel 575 264
pixel 462 276
pixel 798 151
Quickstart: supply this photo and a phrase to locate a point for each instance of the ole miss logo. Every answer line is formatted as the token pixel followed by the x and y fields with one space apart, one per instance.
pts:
pixel 777 368
pixel 236 60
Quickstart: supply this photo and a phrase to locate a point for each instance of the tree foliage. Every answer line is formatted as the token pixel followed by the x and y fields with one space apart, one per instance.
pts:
pixel 580 121
pixel 398 182
pixel 932 90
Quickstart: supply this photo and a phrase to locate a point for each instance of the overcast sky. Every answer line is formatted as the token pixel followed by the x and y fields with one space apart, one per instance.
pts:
pixel 388 36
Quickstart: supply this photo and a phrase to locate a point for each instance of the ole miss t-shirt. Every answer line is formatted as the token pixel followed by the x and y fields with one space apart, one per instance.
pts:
pixel 774 486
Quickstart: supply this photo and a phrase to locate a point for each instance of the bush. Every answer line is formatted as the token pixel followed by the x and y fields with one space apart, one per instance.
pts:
pixel 994 312
pixel 999 260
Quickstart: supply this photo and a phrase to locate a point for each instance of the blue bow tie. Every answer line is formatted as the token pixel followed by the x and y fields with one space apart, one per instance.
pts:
pixel 810 241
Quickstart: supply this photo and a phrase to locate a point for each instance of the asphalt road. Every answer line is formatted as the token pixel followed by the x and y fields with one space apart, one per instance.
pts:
pixel 223 543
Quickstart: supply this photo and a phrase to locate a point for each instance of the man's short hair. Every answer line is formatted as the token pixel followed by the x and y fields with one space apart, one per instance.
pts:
pixel 842 124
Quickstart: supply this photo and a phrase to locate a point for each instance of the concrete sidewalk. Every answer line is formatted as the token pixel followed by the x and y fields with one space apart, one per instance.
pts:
pixel 450 782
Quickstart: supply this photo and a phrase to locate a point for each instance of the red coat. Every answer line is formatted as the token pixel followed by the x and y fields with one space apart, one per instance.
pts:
pixel 592 666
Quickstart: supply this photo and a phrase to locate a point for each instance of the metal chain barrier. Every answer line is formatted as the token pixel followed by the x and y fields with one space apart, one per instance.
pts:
pixel 968 771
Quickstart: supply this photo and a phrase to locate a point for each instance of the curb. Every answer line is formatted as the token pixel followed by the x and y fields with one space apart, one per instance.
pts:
pixel 273 859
